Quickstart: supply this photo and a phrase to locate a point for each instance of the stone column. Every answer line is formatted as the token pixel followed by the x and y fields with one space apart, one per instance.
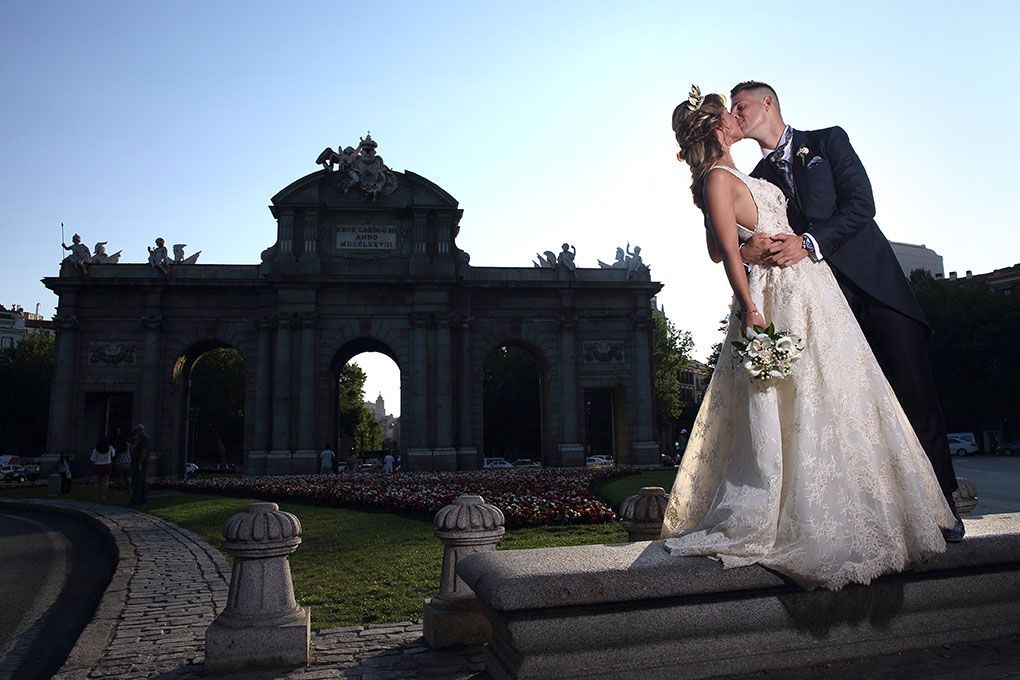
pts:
pixel 419 454
pixel 467 454
pixel 62 396
pixel 444 455
pixel 151 373
pixel 571 451
pixel 642 515
pixel 280 455
pixel 419 255
pixel 453 616
pixel 645 447
pixel 262 443
pixel 307 376
pixel 262 625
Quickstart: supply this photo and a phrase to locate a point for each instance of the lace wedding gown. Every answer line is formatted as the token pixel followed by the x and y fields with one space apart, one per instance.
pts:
pixel 819 476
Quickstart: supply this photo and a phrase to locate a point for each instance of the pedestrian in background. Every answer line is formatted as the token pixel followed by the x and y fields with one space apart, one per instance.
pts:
pixel 388 463
pixel 139 465
pixel 102 465
pixel 64 470
pixel 326 458
pixel 121 460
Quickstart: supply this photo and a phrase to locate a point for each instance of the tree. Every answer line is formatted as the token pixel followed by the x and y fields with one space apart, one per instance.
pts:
pixel 671 352
pixel 971 352
pixel 26 372
pixel 355 420
pixel 217 406
pixel 713 357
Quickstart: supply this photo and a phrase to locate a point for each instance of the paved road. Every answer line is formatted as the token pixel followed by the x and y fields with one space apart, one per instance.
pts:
pixel 55 570
pixel 997 479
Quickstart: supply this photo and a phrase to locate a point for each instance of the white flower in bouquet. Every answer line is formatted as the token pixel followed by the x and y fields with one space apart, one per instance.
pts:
pixel 769 353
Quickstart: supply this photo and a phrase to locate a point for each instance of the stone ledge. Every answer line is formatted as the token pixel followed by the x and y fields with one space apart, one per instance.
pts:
pixel 632 610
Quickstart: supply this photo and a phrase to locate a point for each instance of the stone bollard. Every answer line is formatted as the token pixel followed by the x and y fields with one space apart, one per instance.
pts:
pixel 262 625
pixel 965 496
pixel 453 615
pixel 53 485
pixel 642 515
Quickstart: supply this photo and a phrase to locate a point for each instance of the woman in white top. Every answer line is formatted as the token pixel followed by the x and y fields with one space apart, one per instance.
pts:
pixel 102 465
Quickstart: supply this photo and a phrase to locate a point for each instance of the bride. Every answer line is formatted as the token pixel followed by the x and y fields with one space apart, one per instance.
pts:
pixel 819 475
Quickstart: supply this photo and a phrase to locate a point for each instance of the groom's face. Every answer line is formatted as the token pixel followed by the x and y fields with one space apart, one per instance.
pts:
pixel 749 110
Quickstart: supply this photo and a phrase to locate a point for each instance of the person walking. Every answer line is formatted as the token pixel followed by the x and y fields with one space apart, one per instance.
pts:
pixel 121 460
pixel 326 458
pixel 139 465
pixel 102 465
pixel 64 470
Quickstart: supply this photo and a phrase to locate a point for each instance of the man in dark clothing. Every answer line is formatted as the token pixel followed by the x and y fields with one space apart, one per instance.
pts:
pixel 139 465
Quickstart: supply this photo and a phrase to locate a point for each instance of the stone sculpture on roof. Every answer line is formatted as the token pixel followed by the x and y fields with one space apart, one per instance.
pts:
pixel 361 168
pixel 100 256
pixel 80 256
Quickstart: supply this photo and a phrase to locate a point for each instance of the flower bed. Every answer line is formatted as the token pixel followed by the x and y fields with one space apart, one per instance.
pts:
pixel 526 497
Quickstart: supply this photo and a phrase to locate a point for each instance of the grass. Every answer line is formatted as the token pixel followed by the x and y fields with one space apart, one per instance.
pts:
pixel 616 492
pixel 353 566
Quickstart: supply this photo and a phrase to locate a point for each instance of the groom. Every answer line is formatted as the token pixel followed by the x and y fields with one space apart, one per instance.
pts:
pixel 831 209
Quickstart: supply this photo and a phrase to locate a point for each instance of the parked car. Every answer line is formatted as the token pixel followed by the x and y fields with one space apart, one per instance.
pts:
pixel 220 469
pixel 526 463
pixel 13 473
pixel 599 460
pixel 496 463
pixel 1010 448
pixel 962 447
pixel 31 472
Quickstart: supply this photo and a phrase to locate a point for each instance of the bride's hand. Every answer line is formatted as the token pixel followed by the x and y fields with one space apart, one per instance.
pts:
pixel 751 319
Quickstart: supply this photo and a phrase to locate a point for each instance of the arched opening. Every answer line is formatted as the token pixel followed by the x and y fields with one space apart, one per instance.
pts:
pixel 365 404
pixel 212 408
pixel 513 405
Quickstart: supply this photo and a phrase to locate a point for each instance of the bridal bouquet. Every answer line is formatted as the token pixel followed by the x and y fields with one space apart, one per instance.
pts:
pixel 769 353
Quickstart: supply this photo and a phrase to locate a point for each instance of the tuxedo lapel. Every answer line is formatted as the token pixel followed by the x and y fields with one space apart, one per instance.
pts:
pixel 798 170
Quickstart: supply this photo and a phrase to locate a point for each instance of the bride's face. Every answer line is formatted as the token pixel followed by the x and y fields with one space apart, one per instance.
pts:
pixel 729 129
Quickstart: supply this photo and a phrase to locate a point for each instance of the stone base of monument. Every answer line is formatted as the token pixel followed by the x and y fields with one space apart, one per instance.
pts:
pixel 448 622
pixel 634 611
pixel 230 649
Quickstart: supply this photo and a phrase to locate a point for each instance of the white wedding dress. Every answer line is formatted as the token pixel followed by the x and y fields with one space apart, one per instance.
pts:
pixel 818 476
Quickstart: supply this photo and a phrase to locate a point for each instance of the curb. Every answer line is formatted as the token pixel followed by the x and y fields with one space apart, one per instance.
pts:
pixel 98 634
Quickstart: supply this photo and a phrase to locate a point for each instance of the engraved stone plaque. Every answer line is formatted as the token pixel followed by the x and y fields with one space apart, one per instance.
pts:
pixel 111 354
pixel 366 237
pixel 603 352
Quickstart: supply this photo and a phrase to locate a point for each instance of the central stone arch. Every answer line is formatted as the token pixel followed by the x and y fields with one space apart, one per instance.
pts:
pixel 363 257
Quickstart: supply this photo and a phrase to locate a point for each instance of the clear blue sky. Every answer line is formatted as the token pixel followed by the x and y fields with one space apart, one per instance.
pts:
pixel 548 121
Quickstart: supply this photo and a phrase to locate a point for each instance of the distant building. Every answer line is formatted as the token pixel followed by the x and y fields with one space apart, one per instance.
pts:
pixel 912 256
pixel 1005 281
pixel 390 424
pixel 693 382
pixel 12 327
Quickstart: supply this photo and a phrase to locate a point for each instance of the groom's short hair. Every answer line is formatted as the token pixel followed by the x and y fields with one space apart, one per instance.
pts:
pixel 754 85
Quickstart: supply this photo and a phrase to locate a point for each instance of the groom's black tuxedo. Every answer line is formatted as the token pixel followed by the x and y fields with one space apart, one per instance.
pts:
pixel 835 205
pixel 833 202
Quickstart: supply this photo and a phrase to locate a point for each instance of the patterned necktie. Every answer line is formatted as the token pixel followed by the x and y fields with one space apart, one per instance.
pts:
pixel 782 164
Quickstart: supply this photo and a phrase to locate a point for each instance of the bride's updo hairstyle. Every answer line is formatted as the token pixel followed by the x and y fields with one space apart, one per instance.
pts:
pixel 694 123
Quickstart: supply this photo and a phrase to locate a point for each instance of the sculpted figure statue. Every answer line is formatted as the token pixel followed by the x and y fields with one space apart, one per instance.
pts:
pixel 546 261
pixel 179 254
pixel 634 261
pixel 158 256
pixel 80 256
pixel 364 169
pixel 100 256
pixel 620 263
pixel 328 158
pixel 566 257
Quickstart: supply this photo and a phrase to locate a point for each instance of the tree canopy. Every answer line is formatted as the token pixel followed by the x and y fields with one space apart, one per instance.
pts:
pixel 26 372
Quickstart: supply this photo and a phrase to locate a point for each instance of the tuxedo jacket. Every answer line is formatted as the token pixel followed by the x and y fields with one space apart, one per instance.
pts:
pixel 835 205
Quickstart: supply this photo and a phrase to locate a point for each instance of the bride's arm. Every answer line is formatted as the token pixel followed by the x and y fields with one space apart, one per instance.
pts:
pixel 714 253
pixel 719 199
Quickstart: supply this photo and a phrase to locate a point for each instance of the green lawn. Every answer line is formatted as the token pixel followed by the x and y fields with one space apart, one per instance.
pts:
pixel 353 566
pixel 616 492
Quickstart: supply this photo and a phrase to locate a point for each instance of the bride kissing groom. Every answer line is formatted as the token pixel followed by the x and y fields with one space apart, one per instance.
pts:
pixel 841 471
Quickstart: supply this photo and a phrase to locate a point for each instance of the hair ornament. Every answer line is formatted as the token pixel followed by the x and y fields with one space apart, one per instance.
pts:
pixel 695 98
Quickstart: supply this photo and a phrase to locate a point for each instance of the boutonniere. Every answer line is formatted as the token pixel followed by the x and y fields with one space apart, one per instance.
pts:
pixel 802 154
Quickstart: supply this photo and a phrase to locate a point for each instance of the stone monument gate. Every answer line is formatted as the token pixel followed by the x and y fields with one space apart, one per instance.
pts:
pixel 365 259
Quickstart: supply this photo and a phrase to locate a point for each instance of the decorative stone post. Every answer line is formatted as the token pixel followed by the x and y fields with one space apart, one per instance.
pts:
pixel 262 625
pixel 965 496
pixel 452 616
pixel 642 515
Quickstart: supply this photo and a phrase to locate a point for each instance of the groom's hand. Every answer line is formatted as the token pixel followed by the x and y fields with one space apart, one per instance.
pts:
pixel 785 250
pixel 755 251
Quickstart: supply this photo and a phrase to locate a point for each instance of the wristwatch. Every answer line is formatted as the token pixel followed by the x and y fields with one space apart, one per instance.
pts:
pixel 807 244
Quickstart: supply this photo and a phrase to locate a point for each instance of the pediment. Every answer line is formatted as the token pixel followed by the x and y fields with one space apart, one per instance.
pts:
pixel 324 189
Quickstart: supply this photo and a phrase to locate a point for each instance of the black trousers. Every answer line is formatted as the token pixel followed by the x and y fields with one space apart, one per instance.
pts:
pixel 900 344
